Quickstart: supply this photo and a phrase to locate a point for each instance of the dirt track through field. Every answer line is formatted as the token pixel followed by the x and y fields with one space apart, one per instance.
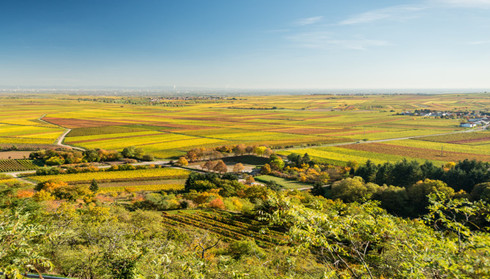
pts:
pixel 61 139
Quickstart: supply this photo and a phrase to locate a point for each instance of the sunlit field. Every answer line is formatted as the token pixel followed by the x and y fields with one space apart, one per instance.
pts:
pixel 169 128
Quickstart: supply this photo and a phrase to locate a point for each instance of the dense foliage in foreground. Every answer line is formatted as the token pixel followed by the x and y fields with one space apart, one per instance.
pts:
pixel 326 239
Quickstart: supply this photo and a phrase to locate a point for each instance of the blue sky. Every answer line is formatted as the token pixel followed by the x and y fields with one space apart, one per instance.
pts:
pixel 290 44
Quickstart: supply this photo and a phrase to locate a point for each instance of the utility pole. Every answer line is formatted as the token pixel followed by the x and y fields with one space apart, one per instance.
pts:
pixel 442 150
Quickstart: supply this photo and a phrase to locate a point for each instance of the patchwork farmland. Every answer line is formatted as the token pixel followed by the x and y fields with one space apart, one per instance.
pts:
pixel 169 128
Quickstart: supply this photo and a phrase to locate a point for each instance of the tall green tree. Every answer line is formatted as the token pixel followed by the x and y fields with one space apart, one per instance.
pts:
pixel 94 186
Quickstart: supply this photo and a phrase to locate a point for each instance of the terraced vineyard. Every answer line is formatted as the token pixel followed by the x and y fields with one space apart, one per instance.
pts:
pixel 16 165
pixel 227 225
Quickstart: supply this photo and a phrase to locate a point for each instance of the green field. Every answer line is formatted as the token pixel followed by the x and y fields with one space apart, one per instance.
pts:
pixel 287 184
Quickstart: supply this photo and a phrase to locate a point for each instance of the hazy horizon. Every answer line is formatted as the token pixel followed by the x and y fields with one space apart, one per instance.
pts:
pixel 196 91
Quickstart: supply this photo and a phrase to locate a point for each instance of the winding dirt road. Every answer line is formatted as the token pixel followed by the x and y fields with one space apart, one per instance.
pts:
pixel 61 139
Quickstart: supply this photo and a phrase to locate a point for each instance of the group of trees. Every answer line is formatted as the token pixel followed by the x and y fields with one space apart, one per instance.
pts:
pixel 300 168
pixel 94 241
pixel 85 238
pixel 411 201
pixel 361 227
pixel 200 154
pixel 60 190
pixel 82 169
pixel 402 188
pixel 227 184
pixel 463 175
pixel 53 157
pixel 360 240
pixel 217 166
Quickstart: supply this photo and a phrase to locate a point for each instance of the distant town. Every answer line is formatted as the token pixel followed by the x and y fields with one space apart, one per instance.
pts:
pixel 470 118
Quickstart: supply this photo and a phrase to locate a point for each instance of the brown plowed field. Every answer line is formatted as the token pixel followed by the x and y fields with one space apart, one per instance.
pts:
pixel 123 137
pixel 80 123
pixel 472 140
pixel 310 131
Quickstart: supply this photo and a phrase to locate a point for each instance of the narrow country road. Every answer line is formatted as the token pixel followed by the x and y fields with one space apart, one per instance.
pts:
pixel 17 173
pixel 61 139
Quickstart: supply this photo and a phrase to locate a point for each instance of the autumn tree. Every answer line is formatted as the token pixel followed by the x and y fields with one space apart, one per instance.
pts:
pixel 266 169
pixel 322 178
pixel 209 165
pixel 238 167
pixel 249 180
pixel 249 149
pixel 220 167
pixel 268 152
pixel 239 149
pixel 182 161
pixel 259 150
pixel 353 165
pixel 50 185
pixel 193 155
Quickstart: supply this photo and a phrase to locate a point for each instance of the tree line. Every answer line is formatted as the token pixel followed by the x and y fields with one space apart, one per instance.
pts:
pixel 53 157
pixel 201 154
pixel 463 175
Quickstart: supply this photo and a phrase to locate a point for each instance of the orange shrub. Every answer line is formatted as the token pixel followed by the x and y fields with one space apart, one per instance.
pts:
pixel 217 203
pixel 22 194
pixel 204 197
pixel 51 185
pixel 104 199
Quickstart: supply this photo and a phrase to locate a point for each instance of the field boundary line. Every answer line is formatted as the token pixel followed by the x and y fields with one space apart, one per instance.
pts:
pixel 382 140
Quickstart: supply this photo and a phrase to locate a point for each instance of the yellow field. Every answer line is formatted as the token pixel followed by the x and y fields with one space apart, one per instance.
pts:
pixel 158 187
pixel 280 121
pixel 164 173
